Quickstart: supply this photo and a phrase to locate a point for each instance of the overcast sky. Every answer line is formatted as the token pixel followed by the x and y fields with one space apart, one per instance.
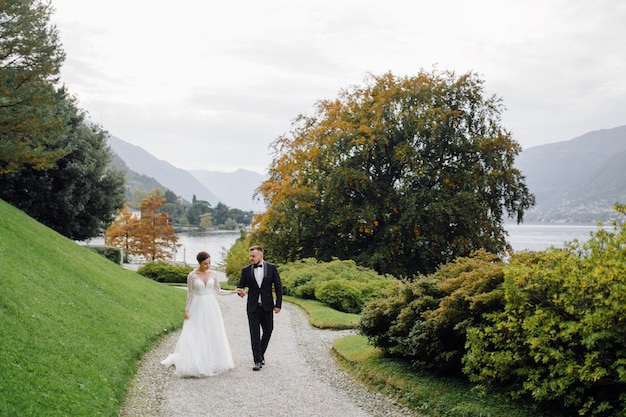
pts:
pixel 210 84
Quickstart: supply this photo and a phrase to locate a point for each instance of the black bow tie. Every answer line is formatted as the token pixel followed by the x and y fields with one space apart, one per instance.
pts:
pixel 257 265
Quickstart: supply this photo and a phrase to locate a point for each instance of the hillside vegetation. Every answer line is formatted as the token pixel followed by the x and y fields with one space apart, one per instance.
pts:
pixel 73 324
pixel 579 180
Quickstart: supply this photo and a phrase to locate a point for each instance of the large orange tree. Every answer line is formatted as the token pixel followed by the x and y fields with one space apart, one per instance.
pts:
pixel 401 175
pixel 120 232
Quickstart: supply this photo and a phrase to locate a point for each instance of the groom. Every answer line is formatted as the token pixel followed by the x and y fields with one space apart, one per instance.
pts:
pixel 259 277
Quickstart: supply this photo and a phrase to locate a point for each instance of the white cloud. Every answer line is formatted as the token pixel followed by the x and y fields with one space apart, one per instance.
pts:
pixel 209 85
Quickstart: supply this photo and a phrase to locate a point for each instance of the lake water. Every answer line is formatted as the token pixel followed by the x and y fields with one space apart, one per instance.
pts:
pixel 536 237
pixel 533 237
pixel 216 243
pixel 522 237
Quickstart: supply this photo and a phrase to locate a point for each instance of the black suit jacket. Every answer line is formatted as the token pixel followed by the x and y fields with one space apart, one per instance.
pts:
pixel 271 278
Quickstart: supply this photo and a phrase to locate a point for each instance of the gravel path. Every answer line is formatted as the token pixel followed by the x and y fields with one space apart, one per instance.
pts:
pixel 300 377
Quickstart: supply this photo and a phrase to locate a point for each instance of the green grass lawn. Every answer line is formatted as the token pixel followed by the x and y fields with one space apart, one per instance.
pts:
pixel 324 317
pixel 73 325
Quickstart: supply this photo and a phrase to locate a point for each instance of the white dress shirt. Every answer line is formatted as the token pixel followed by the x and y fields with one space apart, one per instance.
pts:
pixel 258 275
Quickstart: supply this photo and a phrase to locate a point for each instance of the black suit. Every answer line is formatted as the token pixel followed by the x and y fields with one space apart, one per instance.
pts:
pixel 261 314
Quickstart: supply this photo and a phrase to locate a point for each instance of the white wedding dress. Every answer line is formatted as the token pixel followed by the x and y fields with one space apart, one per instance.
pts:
pixel 202 349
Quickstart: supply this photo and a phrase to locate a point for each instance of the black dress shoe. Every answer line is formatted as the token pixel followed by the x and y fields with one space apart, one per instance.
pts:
pixel 257 366
pixel 263 361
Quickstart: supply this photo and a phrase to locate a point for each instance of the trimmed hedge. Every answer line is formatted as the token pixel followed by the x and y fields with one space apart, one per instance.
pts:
pixel 109 252
pixel 161 271
pixel 339 284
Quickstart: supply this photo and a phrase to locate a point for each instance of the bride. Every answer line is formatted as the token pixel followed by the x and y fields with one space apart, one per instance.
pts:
pixel 202 349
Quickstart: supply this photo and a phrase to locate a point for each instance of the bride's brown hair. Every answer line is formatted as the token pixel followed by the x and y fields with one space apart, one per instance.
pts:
pixel 202 256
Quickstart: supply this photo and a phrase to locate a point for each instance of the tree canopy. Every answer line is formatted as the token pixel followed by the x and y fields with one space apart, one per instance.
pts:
pixel 30 61
pixel 401 175
pixel 151 235
pixel 78 195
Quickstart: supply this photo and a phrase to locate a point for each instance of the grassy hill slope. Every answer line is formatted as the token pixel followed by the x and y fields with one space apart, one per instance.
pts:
pixel 73 325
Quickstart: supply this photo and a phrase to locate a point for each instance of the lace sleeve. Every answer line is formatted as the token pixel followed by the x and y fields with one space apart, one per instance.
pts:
pixel 190 279
pixel 216 286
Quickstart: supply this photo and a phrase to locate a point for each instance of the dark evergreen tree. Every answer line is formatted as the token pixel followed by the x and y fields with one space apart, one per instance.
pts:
pixel 30 61
pixel 220 214
pixel 195 211
pixel 78 196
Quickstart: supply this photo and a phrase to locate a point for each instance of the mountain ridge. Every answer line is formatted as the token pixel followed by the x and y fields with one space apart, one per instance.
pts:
pixel 178 180
pixel 237 187
pixel 574 181
pixel 569 178
pixel 211 186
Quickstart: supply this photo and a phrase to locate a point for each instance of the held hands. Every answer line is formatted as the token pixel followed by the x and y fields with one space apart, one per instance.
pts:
pixel 240 292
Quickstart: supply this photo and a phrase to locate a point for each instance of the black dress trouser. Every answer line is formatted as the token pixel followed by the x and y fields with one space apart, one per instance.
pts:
pixel 258 320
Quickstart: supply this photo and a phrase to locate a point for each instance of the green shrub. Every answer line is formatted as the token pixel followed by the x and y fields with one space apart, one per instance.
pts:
pixel 560 339
pixel 425 321
pixel 341 295
pixel 237 258
pixel 111 253
pixel 305 278
pixel 297 278
pixel 161 271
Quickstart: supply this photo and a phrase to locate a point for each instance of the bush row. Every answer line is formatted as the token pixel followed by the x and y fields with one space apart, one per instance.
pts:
pixel 341 285
pixel 545 327
pixel 161 271
pixel 111 253
pixel 237 258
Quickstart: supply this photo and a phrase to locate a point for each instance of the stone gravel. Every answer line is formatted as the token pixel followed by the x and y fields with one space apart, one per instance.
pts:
pixel 300 378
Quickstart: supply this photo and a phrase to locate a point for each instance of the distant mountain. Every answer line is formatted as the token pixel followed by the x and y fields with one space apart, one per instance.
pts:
pixel 574 181
pixel 145 172
pixel 133 180
pixel 181 182
pixel 236 187
pixel 579 180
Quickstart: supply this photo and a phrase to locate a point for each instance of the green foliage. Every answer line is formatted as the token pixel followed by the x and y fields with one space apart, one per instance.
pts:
pixel 161 271
pixel 74 325
pixel 112 254
pixel 340 284
pixel 140 195
pixel 401 175
pixel 239 216
pixel 425 321
pixel 30 61
pixel 205 221
pixel 341 295
pixel 237 258
pixel 324 317
pixel 220 213
pixel 173 210
pixel 77 196
pixel 424 393
pixel 560 339
pixel 195 211
pixel 230 224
